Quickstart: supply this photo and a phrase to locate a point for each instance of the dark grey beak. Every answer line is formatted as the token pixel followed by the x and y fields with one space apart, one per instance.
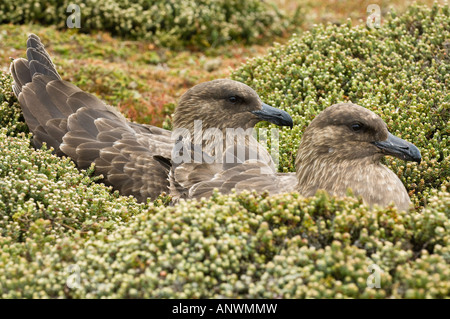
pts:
pixel 274 115
pixel 399 148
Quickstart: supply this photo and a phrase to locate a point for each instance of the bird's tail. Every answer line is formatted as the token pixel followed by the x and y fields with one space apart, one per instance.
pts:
pixel 39 62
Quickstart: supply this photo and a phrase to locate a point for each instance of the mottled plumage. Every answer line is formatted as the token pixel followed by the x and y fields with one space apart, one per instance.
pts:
pixel 133 158
pixel 341 149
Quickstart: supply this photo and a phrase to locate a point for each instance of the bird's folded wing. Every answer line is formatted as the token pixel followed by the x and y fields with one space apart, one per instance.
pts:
pixel 241 168
pixel 79 125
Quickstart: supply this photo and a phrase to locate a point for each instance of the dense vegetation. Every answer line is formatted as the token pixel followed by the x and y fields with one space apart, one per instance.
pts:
pixel 64 236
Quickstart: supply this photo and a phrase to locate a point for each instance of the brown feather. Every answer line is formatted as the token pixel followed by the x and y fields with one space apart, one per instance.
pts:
pixel 133 158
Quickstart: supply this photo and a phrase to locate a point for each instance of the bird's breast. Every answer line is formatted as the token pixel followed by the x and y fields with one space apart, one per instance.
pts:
pixel 374 182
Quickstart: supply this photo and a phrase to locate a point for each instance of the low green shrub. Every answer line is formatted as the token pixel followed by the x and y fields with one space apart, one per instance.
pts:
pixel 11 117
pixel 174 23
pixel 64 236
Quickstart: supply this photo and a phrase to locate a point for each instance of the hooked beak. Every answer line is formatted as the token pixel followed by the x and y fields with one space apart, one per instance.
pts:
pixel 274 115
pixel 399 148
